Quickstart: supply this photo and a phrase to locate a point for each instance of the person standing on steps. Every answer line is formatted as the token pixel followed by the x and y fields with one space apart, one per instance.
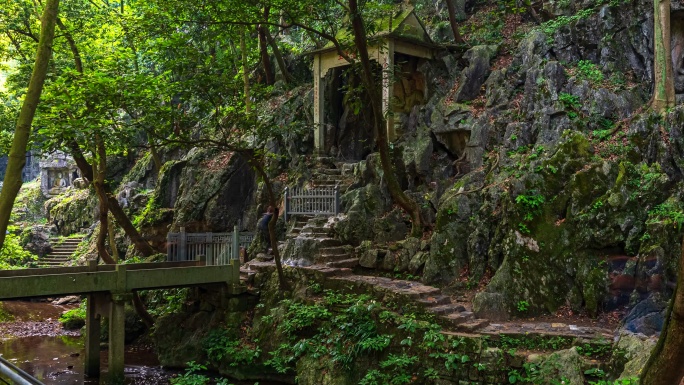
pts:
pixel 262 226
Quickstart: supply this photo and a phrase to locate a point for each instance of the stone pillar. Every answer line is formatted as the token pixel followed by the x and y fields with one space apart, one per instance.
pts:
pixel 117 324
pixel 319 106
pixel 92 340
pixel 388 87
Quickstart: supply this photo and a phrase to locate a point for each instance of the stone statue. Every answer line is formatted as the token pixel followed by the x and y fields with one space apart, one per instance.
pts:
pixel 59 181
pixel 58 184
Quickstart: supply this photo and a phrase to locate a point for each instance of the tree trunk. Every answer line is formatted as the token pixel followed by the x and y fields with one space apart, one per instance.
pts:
pixel 113 205
pixel 155 154
pixel 273 202
pixel 245 73
pixel 112 242
pixel 287 78
pixel 17 156
pixel 663 83
pixel 265 59
pixel 666 364
pixel 453 22
pixel 263 48
pixel 381 139
pixel 99 170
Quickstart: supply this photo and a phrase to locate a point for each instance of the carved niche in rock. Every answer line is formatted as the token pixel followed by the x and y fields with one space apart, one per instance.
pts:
pixel 57 173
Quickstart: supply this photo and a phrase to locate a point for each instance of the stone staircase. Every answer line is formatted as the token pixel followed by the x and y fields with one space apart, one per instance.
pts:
pixel 62 250
pixel 315 230
pixel 455 316
pixel 327 172
pixel 327 251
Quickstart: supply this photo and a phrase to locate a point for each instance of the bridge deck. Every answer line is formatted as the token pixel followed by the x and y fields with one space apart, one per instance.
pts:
pixel 112 278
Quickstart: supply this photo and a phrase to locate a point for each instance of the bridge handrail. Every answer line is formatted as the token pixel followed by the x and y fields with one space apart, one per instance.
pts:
pixel 217 248
pixel 312 201
pixel 16 375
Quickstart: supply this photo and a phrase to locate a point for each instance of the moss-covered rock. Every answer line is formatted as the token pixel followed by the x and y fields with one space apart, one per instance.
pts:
pixel 72 211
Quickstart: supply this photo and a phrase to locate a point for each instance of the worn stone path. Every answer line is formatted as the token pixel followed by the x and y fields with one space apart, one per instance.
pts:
pixel 454 316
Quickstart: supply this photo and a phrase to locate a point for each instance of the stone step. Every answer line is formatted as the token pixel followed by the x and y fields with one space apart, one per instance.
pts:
pixel 457 319
pixel 435 300
pixel 348 263
pixel 331 251
pixel 324 182
pixel 63 251
pixel 53 259
pixel 71 241
pixel 323 259
pixel 315 230
pixel 328 171
pixel 446 309
pixel 325 161
pixel 323 241
pixel 295 231
pixel 473 325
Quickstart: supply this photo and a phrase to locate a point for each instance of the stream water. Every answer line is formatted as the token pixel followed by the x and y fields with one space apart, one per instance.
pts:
pixel 34 341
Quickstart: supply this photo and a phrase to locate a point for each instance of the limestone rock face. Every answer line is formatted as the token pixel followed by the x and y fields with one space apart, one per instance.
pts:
pixel 647 317
pixel 474 76
pixel 214 188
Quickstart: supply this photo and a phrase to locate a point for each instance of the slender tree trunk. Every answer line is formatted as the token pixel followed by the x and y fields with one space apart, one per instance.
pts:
pixel 112 243
pixel 263 48
pixel 155 154
pixel 381 139
pixel 245 72
pixel 265 59
pixel 272 201
pixel 666 364
pixel 453 22
pixel 287 78
pixel 663 84
pixel 117 212
pixel 17 156
pixel 99 170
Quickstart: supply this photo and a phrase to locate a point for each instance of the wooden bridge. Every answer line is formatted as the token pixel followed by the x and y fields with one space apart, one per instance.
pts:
pixel 108 288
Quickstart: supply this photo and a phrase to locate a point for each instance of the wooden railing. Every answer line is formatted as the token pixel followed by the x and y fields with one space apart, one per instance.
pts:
pixel 216 248
pixel 315 201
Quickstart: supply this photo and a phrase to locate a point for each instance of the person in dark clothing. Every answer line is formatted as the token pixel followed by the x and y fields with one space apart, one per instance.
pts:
pixel 262 226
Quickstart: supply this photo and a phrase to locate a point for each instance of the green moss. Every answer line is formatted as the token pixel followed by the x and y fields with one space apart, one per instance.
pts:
pixel 5 316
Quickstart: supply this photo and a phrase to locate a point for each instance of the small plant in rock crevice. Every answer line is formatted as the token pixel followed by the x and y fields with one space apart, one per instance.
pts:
pixel 522 306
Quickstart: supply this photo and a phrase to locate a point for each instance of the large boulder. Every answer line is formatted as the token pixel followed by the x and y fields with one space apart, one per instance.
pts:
pixel 37 240
pixel 490 306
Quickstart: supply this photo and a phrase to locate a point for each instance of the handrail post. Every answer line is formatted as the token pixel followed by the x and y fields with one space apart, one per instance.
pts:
pixel 183 247
pixel 337 200
pixel 236 245
pixel 287 202
pixel 168 247
pixel 210 249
